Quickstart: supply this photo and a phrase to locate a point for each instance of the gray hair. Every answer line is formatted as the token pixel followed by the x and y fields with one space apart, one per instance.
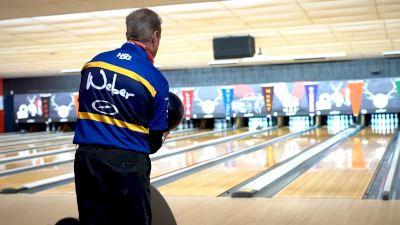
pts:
pixel 141 24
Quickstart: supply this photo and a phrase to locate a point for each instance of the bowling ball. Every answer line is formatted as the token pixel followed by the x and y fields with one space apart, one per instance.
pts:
pixel 68 221
pixel 175 111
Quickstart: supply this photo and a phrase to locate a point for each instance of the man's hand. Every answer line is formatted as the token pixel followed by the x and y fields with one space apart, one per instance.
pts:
pixel 155 139
pixel 165 135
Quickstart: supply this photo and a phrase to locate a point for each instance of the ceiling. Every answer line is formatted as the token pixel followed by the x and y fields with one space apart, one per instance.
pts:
pixel 37 38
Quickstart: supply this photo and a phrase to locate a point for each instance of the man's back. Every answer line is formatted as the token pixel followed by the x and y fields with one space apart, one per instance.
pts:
pixel 122 96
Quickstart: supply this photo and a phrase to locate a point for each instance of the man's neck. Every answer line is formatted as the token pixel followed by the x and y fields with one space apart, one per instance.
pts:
pixel 145 47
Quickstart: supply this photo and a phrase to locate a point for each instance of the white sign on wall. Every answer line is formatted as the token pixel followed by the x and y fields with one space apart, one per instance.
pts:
pixel 1 103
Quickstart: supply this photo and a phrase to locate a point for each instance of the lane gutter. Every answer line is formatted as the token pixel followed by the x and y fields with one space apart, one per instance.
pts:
pixel 44 184
pixel 178 174
pixel 270 177
pixel 377 183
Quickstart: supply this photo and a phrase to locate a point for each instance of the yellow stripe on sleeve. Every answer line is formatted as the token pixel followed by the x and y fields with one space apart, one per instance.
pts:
pixel 123 71
pixel 112 121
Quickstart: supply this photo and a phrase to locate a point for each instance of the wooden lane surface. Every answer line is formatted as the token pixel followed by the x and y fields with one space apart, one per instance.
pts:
pixel 69 141
pixel 179 161
pixel 35 145
pixel 46 209
pixel 176 144
pixel 34 137
pixel 56 146
pixel 189 132
pixel 16 180
pixel 7 145
pixel 38 161
pixel 67 155
pixel 345 172
pixel 62 189
pixel 18 136
pixel 172 163
pixel 217 179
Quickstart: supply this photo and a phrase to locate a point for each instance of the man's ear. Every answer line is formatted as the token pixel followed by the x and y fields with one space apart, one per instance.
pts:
pixel 154 37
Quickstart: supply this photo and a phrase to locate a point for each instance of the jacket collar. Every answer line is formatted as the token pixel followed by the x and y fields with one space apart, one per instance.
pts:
pixel 139 49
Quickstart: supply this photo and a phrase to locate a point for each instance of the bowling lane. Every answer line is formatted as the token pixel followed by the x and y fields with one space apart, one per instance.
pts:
pixel 64 189
pixel 36 145
pixel 217 179
pixel 38 160
pixel 20 136
pixel 26 177
pixel 188 132
pixel 172 163
pixel 53 147
pixel 35 140
pixel 22 178
pixel 345 172
pixel 33 136
pixel 65 156
pixel 176 144
pixel 179 161
pixel 69 141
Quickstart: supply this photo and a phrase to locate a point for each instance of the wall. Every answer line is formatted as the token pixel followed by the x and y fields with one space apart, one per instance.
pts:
pixel 42 84
pixel 339 70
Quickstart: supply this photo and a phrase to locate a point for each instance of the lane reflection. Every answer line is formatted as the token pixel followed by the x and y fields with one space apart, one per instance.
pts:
pixel 345 172
pixel 169 164
pixel 217 179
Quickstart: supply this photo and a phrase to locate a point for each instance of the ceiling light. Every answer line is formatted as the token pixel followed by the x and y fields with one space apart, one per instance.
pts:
pixel 265 58
pixel 309 58
pixel 319 56
pixel 257 58
pixel 391 53
pixel 70 70
pixel 223 62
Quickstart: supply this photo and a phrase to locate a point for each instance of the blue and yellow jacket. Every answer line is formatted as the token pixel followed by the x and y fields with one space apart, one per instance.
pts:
pixel 122 96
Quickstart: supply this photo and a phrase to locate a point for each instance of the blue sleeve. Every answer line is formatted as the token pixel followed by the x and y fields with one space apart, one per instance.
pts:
pixel 158 118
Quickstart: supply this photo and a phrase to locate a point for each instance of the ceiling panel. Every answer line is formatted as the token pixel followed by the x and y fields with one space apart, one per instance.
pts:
pixel 376 45
pixel 324 48
pixel 396 43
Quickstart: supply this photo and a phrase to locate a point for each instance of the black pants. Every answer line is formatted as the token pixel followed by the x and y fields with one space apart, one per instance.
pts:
pixel 112 186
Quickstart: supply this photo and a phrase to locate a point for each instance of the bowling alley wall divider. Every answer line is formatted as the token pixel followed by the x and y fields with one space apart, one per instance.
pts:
pixel 241 100
pixel 1 107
